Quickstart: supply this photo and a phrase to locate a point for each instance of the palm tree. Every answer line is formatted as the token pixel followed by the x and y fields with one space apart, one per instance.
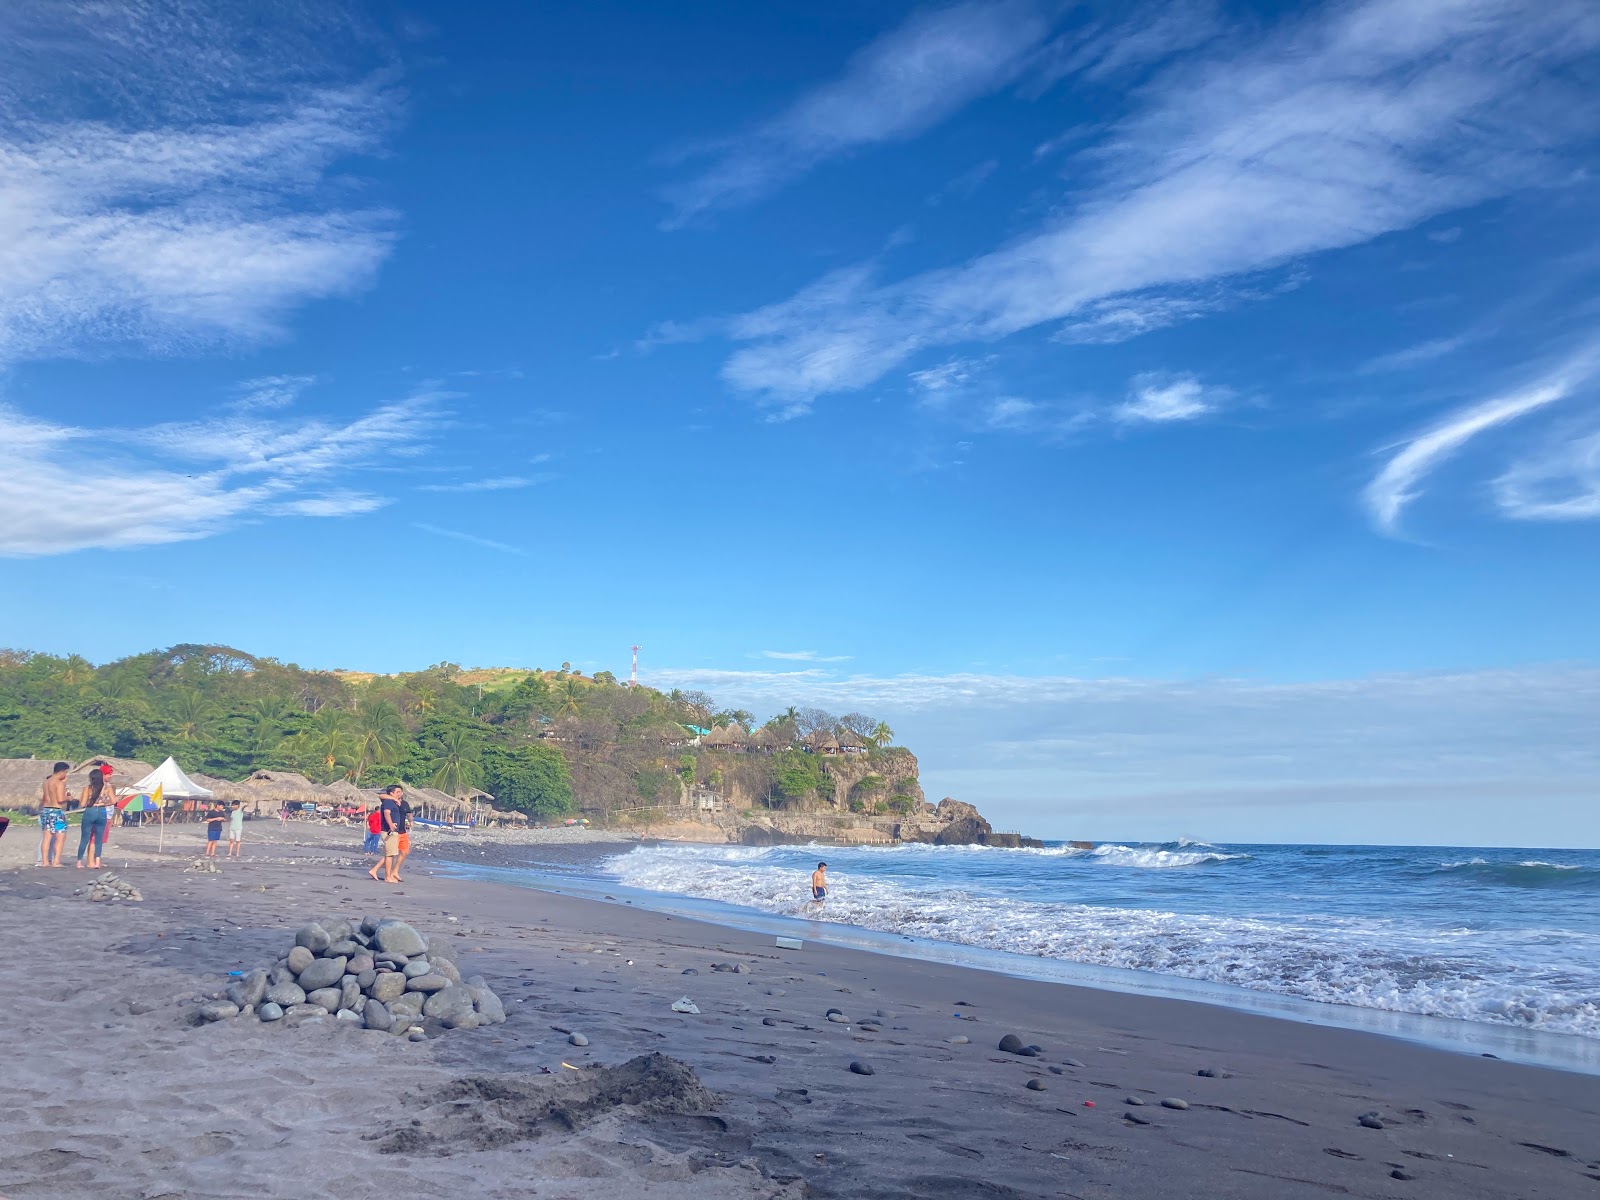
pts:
pixel 380 736
pixel 190 713
pixel 330 741
pixel 76 670
pixel 571 692
pixel 456 767
pixel 881 735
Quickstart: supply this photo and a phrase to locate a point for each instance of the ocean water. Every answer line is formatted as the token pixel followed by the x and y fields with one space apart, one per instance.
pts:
pixel 1507 938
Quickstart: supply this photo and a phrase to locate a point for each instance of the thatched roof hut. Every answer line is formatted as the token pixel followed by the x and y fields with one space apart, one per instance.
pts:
pixel 21 780
pixel 268 791
pixel 125 772
pixel 726 737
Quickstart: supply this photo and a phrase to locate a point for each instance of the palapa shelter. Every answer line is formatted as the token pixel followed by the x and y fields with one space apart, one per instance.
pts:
pixel 726 737
pixel 22 781
pixel 266 792
pixel 125 772
pixel 821 743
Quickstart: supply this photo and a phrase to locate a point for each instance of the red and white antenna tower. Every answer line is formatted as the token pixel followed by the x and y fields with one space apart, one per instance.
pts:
pixel 633 676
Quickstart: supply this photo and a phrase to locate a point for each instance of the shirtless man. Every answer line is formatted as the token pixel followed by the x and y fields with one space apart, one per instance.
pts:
pixel 53 816
pixel 819 884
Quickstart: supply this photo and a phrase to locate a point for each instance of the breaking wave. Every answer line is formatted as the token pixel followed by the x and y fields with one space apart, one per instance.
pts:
pixel 1383 954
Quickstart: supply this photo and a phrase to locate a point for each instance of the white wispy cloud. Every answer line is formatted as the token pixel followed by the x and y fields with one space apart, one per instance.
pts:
pixel 804 656
pixel 500 483
pixel 1560 484
pixel 1329 132
pixel 906 81
pixel 332 504
pixel 1441 755
pixel 151 209
pixel 1158 398
pixel 270 392
pixel 66 488
pixel 1399 482
pixel 1417 355
pixel 470 538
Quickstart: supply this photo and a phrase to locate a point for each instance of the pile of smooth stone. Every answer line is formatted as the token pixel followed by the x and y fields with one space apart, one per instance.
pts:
pixel 371 974
pixel 112 886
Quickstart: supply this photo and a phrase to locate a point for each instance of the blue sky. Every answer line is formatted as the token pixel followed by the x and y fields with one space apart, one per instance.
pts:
pixel 1177 419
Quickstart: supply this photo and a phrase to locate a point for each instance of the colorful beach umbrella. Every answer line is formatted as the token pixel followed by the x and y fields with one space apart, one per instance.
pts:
pixel 139 804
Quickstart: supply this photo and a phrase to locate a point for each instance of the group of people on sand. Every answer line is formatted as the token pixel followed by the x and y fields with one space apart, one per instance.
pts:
pixel 389 833
pixel 98 800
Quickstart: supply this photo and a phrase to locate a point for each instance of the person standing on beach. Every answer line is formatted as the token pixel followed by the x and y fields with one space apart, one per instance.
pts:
pixel 373 842
pixel 405 835
pixel 389 819
pixel 819 884
pixel 97 799
pixel 214 820
pixel 235 830
pixel 53 816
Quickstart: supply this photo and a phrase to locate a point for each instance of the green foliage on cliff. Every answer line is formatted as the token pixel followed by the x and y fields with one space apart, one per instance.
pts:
pixel 539 742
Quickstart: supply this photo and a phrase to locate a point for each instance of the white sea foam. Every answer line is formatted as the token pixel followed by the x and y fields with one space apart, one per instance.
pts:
pixel 1541 979
pixel 1158 859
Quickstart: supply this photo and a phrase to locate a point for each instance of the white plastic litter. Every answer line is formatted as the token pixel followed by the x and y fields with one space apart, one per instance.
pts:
pixel 685 1005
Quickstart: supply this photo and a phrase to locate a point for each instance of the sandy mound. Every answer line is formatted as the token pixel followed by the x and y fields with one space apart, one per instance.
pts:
pixel 483 1112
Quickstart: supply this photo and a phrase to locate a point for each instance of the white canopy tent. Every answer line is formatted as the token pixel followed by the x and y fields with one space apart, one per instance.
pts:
pixel 174 784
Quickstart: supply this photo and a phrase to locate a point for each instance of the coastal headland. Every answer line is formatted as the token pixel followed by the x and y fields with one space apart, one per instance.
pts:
pixel 117 1091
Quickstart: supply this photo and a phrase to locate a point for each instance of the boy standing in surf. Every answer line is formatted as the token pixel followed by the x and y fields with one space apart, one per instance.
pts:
pixel 819 884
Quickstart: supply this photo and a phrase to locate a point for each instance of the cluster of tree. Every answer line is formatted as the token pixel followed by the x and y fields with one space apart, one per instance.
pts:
pixel 541 743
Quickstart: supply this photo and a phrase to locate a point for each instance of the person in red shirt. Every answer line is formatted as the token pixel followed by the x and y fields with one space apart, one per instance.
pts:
pixel 374 839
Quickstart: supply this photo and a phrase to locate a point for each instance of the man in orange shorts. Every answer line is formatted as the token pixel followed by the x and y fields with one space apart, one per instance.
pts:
pixel 389 809
pixel 404 831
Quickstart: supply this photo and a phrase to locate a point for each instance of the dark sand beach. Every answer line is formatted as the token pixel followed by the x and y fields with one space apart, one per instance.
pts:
pixel 112 1090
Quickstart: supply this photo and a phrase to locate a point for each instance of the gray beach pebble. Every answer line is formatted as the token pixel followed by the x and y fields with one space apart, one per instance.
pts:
pixel 1174 1102
pixel 400 1026
pixel 1011 1044
pixel 360 963
pixel 443 966
pixel 249 990
pixel 453 1000
pixel 428 983
pixel 345 948
pixel 959 1040
pixel 413 970
pixel 325 972
pixel 769 1020
pixel 396 937
pixel 407 1004
pixel 285 994
pixel 347 1016
pixel 1071 1062
pixel 1369 1121
pixel 313 938
pixel 270 1012
pixel 838 1018
pixel 325 998
pixel 387 986
pixel 217 1010
pixel 461 1020
pixel 417 1035
pixel 577 1039
pixel 490 1010
pixel 350 993
pixel 376 1015
pixel 1035 1085
pixel 861 1068
pixel 1208 1073
pixel 365 979
pixel 299 959
pixel 1135 1101
pixel 392 960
